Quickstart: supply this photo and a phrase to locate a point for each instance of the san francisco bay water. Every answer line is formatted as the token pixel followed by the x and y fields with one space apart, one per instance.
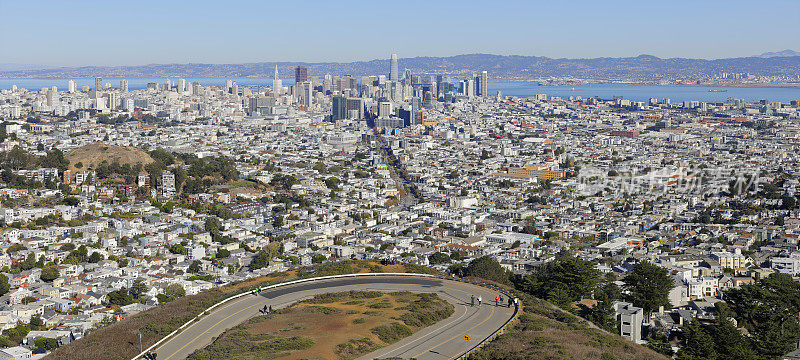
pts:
pixel 521 89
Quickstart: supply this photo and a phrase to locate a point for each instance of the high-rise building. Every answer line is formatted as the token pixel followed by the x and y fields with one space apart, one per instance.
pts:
pixel 72 86
pixel 355 108
pixel 50 98
pixel 394 70
pixel 484 89
pixel 300 74
pixel 468 88
pixel 123 85
pixel 338 108
pixel 112 100
pixel 307 95
pixel 427 100
pixel 181 85
pixel 277 86
pixel 98 83
pixel 416 111
pixel 385 109
pixel 407 77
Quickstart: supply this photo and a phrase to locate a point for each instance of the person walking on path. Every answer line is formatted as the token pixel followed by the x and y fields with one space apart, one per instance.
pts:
pixel 472 300
pixel 496 301
pixel 509 302
pixel 480 300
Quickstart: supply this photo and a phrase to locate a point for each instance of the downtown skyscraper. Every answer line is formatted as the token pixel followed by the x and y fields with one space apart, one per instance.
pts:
pixel 300 74
pixel 277 86
pixel 394 70
pixel 484 84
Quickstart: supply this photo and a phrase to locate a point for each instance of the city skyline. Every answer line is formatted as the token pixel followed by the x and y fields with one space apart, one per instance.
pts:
pixel 66 35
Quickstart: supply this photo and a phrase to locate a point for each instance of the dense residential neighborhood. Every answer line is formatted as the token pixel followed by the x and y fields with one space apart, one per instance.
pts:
pixel 117 200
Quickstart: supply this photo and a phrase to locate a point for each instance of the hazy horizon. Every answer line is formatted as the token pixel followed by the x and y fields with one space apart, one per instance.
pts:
pixel 25 66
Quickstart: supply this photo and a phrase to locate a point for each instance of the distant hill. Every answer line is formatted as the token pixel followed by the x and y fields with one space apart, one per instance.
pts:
pixel 783 53
pixel 16 67
pixel 95 153
pixel 644 67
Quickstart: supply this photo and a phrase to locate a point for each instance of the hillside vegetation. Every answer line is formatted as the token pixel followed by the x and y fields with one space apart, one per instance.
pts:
pixel 92 155
pixel 547 332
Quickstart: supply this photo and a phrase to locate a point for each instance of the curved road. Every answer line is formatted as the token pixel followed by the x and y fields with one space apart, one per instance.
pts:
pixel 443 340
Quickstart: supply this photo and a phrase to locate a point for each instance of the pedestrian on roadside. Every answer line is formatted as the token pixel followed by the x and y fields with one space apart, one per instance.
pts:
pixel 472 300
pixel 509 302
pixel 480 300
pixel 496 300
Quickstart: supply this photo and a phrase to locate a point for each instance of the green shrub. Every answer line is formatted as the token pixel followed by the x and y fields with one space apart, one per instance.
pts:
pixel 392 332
pixel 355 348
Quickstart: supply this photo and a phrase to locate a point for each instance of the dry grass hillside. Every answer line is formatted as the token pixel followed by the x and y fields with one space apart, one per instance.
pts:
pixel 547 332
pixel 95 153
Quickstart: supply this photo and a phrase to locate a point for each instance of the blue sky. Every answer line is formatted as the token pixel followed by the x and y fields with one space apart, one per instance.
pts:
pixel 88 32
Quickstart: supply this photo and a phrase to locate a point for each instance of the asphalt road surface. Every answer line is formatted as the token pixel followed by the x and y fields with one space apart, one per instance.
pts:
pixel 443 340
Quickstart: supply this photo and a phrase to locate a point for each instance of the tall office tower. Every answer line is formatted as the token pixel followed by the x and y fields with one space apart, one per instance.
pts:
pixel 427 100
pixel 123 85
pixel 98 83
pixel 168 84
pixel 407 77
pixel 300 74
pixel 228 84
pixel 476 83
pixel 339 108
pixel 385 109
pixel 416 111
pixel 394 71
pixel 112 100
pixel 355 108
pixel 277 86
pixel 50 98
pixel 327 83
pixel 72 86
pixel 181 85
pixel 469 87
pixel 308 94
pixel 434 86
pixel 484 89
